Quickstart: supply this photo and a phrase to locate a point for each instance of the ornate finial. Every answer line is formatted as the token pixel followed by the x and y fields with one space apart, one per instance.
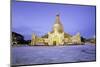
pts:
pixel 57 14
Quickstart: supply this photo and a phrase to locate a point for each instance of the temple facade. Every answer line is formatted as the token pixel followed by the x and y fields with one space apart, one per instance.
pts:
pixel 57 36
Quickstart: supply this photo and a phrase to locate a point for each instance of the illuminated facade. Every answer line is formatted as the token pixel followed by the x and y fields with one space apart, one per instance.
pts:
pixel 57 36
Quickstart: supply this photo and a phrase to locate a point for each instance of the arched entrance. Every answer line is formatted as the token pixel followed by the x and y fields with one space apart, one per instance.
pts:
pixel 54 43
pixel 55 40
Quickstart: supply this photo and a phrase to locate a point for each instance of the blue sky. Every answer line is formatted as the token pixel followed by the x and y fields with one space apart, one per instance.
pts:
pixel 38 18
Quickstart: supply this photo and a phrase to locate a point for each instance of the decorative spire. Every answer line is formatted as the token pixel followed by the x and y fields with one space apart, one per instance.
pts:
pixel 57 19
pixel 57 25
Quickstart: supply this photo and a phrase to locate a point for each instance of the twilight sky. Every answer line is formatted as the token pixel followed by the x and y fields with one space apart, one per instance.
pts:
pixel 38 18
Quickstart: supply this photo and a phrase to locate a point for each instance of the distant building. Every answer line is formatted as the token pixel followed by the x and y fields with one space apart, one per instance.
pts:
pixel 91 40
pixel 57 36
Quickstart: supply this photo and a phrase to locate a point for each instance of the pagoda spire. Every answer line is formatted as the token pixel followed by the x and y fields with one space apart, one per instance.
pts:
pixel 57 25
pixel 57 19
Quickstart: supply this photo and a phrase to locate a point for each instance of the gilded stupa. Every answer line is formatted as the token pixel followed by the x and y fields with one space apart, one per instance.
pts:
pixel 57 36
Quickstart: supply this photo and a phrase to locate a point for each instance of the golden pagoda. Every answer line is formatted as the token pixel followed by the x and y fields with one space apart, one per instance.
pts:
pixel 57 36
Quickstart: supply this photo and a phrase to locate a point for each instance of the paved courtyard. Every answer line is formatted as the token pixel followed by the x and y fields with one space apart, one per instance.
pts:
pixel 52 54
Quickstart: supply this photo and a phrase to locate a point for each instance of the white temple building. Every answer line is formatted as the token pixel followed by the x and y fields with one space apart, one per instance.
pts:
pixel 57 36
